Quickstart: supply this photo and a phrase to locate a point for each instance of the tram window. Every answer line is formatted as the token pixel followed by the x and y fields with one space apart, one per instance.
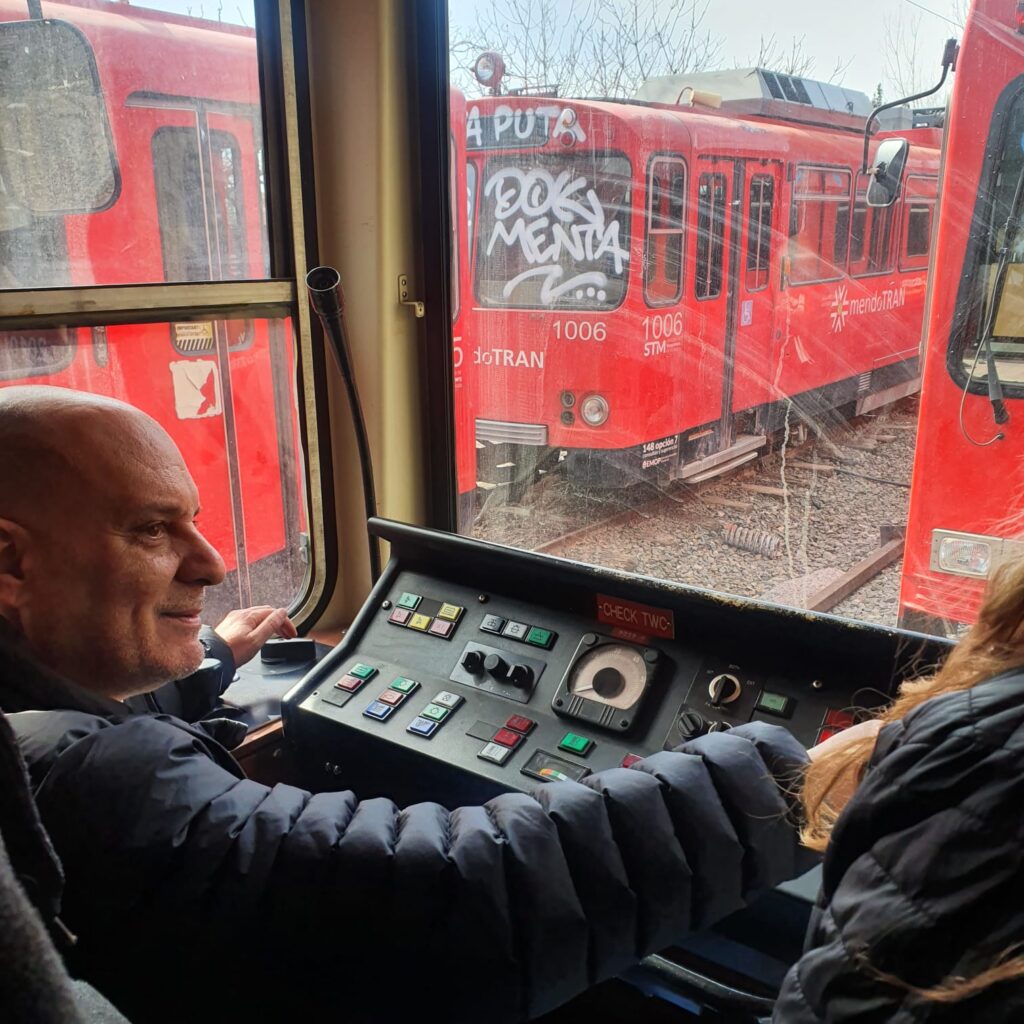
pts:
pixel 453 227
pixel 711 192
pixel 821 197
pixel 1000 186
pixel 919 203
pixel 199 205
pixel 871 237
pixel 34 353
pixel 553 231
pixel 759 231
pixel 190 208
pixel 663 255
pixel 33 250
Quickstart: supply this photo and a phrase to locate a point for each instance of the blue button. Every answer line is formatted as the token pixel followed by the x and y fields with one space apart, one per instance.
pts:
pixel 422 726
pixel 378 709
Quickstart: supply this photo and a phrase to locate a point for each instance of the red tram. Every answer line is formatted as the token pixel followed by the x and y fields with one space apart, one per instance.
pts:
pixel 657 284
pixel 965 506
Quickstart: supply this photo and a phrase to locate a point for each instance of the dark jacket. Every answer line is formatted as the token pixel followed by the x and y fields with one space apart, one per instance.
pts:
pixel 924 877
pixel 34 986
pixel 182 875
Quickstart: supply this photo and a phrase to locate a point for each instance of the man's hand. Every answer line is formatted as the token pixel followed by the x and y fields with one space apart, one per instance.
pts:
pixel 245 631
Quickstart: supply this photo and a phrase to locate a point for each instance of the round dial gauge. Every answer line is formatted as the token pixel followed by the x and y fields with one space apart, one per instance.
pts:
pixel 615 675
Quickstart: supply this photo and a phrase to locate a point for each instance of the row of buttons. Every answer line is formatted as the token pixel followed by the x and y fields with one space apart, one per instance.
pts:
pixel 443 624
pixel 356 677
pixel 533 635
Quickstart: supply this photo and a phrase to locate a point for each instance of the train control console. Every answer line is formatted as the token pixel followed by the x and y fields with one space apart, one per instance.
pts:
pixel 474 670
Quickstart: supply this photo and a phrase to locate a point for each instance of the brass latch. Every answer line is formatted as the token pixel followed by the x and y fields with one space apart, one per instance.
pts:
pixel 403 297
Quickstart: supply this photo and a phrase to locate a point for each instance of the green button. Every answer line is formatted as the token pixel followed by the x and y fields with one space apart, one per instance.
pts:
pixel 409 600
pixel 540 637
pixel 438 714
pixel 403 685
pixel 775 703
pixel 361 671
pixel 575 744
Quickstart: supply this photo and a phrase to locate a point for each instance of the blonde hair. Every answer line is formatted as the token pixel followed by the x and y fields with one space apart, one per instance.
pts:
pixel 993 645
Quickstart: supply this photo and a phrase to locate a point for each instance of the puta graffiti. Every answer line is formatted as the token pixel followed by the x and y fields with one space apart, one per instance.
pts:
pixel 550 218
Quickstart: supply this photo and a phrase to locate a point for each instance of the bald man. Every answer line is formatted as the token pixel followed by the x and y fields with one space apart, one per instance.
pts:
pixel 197 894
pixel 100 512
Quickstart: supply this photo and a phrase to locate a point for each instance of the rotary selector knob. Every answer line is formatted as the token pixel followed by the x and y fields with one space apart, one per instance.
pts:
pixel 723 689
pixel 520 675
pixel 719 726
pixel 692 725
pixel 473 662
pixel 495 665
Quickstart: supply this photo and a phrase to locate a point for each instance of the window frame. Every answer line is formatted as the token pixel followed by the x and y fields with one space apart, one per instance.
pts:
pixel 651 233
pixel 930 202
pixel 763 246
pixel 722 223
pixel 825 199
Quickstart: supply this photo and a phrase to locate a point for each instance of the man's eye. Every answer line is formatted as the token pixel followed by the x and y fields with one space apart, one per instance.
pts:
pixel 154 530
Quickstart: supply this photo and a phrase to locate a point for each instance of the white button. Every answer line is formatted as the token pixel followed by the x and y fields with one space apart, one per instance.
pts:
pixel 495 752
pixel 448 700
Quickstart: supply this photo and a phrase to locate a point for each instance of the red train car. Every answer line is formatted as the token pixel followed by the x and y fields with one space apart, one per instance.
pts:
pixel 968 484
pixel 658 284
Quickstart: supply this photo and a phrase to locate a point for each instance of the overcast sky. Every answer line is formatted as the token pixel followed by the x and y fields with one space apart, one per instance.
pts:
pixel 836 31
pixel 848 32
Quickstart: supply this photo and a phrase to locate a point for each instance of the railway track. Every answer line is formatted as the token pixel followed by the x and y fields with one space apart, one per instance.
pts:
pixel 772 520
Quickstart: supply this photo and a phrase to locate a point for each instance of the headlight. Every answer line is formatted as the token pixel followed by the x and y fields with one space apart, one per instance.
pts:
pixel 965 557
pixel 594 410
pixel 489 69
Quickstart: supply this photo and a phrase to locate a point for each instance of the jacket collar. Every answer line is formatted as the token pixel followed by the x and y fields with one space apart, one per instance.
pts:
pixel 27 685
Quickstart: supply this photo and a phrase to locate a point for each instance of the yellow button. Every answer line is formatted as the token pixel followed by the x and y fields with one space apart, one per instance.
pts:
pixel 451 612
pixel 421 622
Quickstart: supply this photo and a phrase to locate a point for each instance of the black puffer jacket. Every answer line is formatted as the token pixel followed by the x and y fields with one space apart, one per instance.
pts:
pixel 925 873
pixel 276 903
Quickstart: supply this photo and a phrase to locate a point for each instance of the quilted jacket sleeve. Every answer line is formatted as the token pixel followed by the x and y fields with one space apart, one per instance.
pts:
pixel 528 899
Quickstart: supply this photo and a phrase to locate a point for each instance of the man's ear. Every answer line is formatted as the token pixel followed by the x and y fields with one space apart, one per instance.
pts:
pixel 14 545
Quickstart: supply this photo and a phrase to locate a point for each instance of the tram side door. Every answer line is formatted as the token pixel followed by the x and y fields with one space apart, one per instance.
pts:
pixel 758 280
pixel 708 348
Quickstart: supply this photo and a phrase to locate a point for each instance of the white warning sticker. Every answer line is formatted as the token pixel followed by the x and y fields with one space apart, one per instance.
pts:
pixel 197 393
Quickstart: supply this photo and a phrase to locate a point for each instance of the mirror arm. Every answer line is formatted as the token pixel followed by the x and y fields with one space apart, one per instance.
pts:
pixel 35 9
pixel 949 55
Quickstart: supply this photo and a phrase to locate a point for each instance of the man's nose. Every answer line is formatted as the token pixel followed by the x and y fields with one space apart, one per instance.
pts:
pixel 201 563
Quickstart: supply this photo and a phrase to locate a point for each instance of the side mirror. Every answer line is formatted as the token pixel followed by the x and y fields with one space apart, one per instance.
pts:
pixel 887 172
pixel 56 149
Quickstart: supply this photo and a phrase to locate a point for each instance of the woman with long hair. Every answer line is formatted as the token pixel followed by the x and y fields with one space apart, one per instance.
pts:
pixel 921 913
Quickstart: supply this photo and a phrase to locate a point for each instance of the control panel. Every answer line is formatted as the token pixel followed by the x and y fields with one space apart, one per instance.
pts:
pixel 474 670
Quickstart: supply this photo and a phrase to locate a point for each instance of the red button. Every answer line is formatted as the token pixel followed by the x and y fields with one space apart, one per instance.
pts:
pixel 441 628
pixel 400 616
pixel 838 719
pixel 350 683
pixel 520 724
pixel 630 759
pixel 507 738
pixel 392 697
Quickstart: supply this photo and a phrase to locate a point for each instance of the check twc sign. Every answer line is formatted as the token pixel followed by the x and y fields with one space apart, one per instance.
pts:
pixel 644 618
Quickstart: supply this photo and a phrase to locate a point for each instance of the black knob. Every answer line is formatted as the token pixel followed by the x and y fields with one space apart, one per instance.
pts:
pixel 473 662
pixel 520 675
pixel 495 665
pixel 719 726
pixel 691 725
pixel 723 689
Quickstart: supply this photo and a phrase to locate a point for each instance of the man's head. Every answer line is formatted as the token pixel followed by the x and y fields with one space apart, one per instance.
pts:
pixel 102 567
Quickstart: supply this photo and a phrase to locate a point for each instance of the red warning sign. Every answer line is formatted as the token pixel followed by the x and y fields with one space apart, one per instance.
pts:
pixel 615 611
